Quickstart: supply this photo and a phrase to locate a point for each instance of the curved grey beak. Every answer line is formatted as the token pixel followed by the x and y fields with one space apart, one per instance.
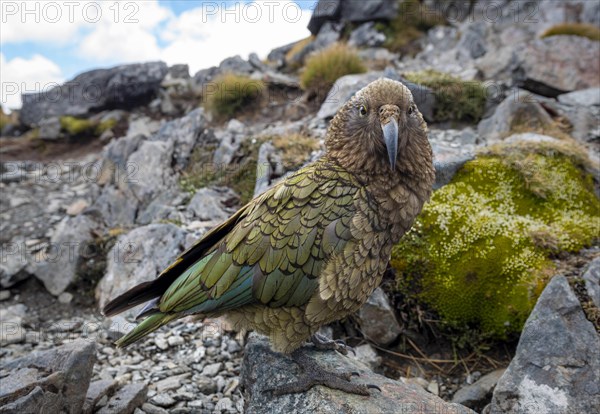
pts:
pixel 390 137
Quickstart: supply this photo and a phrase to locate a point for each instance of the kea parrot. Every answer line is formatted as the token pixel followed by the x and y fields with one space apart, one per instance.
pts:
pixel 311 249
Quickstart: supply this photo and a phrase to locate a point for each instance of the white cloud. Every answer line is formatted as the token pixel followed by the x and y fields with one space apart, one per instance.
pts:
pixel 137 31
pixel 203 37
pixel 127 36
pixel 41 21
pixel 20 75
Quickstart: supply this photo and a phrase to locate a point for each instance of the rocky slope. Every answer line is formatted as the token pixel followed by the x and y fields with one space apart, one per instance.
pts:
pixel 100 194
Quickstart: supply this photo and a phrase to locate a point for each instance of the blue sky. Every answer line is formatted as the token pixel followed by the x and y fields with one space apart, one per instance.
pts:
pixel 47 42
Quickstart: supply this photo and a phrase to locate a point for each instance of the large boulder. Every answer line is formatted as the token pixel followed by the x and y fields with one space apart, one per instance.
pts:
pixel 518 111
pixel 558 64
pixel 53 381
pixel 71 244
pixel 351 11
pixel 143 171
pixel 137 257
pixel 556 368
pixel 264 369
pixel 124 87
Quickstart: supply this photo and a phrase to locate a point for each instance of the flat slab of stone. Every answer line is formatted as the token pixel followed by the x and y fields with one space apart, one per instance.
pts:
pixel 264 369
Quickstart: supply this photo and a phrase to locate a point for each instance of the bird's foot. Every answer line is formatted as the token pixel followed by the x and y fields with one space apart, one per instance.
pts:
pixel 323 343
pixel 313 374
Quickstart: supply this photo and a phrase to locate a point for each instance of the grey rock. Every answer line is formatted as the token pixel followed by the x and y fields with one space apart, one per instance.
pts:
pixel 163 207
pixel 277 55
pixel 70 245
pixel 126 400
pixel 206 386
pixel 325 10
pixel 50 128
pixel 152 409
pixel 137 257
pixel 556 368
pixel 65 298
pixel 264 369
pixel 185 133
pixel 236 64
pixel 229 142
pixel 122 87
pixel 351 11
pixel 49 381
pixel 346 86
pixel 117 152
pixel 179 71
pixel 585 120
pixel 377 319
pixel 117 207
pixel 591 276
pixel 446 169
pixel 558 64
pixel 366 35
pixel 585 97
pixel 225 405
pixel 529 137
pixel 171 383
pixel 328 35
pixel 12 329
pixel 96 391
pixel 142 125
pixel 478 394
pixel 256 63
pixel 378 54
pixel 518 108
pixel 163 400
pixel 203 77
pixel 268 165
pixel 209 204
pixel 13 266
pixel 473 40
pixel 116 326
pixel 367 355
pixel 212 369
pixel 4 295
pixel 151 170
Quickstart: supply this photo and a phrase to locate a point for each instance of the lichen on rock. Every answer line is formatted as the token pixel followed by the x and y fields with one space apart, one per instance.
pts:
pixel 479 254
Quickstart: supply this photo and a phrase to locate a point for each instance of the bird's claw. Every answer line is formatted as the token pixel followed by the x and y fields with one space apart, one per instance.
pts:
pixel 313 374
pixel 374 387
pixel 324 343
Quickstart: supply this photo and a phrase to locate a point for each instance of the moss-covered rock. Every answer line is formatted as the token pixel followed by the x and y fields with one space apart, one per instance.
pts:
pixel 479 254
pixel 456 99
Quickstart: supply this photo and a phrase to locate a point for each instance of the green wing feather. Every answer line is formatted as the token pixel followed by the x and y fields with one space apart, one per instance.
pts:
pixel 275 251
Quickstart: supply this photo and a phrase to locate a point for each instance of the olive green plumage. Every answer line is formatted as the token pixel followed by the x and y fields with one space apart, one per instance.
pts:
pixel 311 249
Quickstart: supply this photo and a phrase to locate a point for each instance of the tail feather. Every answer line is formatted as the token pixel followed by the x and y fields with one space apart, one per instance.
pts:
pixel 135 296
pixel 148 325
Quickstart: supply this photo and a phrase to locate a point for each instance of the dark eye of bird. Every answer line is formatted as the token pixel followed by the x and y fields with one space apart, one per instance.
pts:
pixel 362 110
pixel 411 109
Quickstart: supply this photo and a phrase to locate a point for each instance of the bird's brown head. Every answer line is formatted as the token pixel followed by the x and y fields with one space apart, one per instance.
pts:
pixel 379 130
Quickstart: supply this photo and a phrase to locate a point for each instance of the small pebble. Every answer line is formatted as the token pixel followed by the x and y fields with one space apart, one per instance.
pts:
pixel 65 298
pixel 433 388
